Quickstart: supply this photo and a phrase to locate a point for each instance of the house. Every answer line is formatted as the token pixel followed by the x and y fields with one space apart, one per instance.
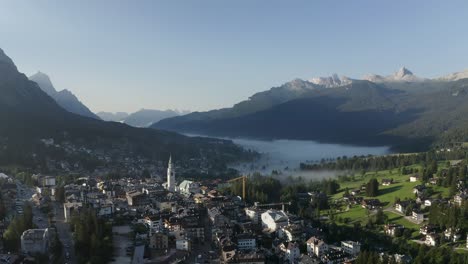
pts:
pixel 188 187
pixel 414 178
pixel 452 234
pixel 159 241
pixel 154 223
pixel 246 242
pixel 433 180
pixel 428 202
pixel 459 198
pixel 274 219
pixel 417 216
pixel 291 252
pixel 334 256
pixel 184 244
pixel 292 232
pixel 316 247
pixel 394 229
pixel 351 247
pixel 254 214
pixel 136 198
pixel 432 239
pixel 387 182
pixel 71 208
pixel 370 203
pixel 355 192
pixel 401 206
pixel 193 228
pixel 35 241
pixel 427 229
pixel 418 189
pixel 48 181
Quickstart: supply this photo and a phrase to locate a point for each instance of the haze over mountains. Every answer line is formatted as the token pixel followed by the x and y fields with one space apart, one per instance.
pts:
pixel 30 116
pixel 64 98
pixel 141 118
pixel 67 100
pixel 401 110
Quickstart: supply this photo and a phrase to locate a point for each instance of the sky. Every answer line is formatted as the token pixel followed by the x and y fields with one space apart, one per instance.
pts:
pixel 199 55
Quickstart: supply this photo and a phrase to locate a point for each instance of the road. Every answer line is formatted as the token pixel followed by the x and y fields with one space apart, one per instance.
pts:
pixel 24 194
pixel 65 235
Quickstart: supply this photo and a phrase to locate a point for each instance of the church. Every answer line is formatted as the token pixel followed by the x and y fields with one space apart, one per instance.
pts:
pixel 170 185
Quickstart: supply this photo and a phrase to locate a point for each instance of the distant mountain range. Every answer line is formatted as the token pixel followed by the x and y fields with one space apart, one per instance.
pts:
pixel 64 98
pixel 141 118
pixel 401 110
pixel 29 116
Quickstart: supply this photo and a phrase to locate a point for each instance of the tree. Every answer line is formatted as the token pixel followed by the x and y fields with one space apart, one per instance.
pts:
pixel 372 188
pixel 60 194
pixel 16 228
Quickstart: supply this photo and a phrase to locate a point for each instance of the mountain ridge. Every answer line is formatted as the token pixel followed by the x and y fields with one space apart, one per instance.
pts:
pixel 32 116
pixel 402 99
pixel 64 98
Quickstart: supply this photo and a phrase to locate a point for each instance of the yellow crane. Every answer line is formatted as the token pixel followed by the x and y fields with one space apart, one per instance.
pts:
pixel 244 180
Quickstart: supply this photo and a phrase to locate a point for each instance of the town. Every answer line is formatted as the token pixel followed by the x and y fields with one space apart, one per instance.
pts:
pixel 165 219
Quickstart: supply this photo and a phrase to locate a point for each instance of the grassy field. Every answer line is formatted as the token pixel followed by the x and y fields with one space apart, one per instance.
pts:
pixel 401 188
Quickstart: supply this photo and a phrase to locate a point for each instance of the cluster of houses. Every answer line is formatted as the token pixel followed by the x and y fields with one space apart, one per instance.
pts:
pixel 183 216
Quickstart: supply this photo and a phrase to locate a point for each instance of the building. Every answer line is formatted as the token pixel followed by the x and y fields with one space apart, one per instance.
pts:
pixel 189 187
pixel 159 241
pixel 171 183
pixel 184 244
pixel 401 206
pixel 136 198
pixel 371 204
pixel 417 216
pixel 418 189
pixel 71 208
pixel 414 178
pixel 316 247
pixel 254 214
pixel 48 181
pixel 292 232
pixel 274 219
pixel 351 247
pixel 451 234
pixel 387 182
pixel 431 239
pixel 35 241
pixel 291 252
pixel 246 242
pixel 193 228
pixel 394 229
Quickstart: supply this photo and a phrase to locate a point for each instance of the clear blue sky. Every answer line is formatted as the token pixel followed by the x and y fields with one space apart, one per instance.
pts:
pixel 200 55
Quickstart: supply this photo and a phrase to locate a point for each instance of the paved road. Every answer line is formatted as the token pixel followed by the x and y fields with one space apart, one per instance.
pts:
pixel 64 232
pixel 41 220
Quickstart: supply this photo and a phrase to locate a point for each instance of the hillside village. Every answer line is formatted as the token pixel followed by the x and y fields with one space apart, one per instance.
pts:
pixel 170 220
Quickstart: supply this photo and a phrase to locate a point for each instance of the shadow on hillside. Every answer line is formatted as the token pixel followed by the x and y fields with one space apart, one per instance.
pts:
pixel 389 190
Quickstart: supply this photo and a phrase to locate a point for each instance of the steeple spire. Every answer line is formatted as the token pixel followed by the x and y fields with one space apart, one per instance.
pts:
pixel 170 176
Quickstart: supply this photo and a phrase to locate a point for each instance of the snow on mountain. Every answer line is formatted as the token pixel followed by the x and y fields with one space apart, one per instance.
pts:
pixel 331 81
pixel 402 75
pixel 454 76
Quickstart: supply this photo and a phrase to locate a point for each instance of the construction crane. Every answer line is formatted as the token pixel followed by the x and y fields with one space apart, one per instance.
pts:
pixel 257 204
pixel 244 180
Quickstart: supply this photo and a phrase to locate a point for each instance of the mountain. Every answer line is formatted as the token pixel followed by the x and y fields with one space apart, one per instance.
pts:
pixel 401 110
pixel 455 76
pixel 402 75
pixel 331 81
pixel 114 117
pixel 141 118
pixel 147 117
pixel 30 116
pixel 64 98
